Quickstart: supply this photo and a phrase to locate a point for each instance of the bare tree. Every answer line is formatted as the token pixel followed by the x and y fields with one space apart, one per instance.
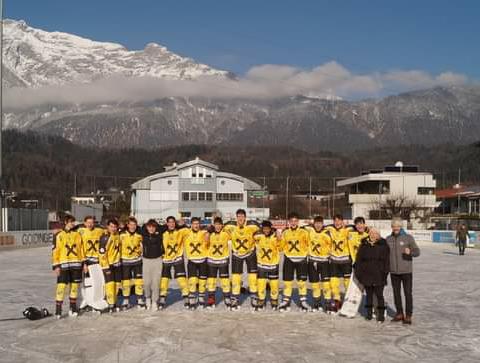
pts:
pixel 397 206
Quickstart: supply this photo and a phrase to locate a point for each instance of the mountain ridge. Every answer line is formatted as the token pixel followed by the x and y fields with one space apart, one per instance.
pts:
pixel 432 116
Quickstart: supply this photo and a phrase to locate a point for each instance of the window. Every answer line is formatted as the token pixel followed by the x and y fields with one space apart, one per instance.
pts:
pixel 425 191
pixel 194 172
pixel 238 197
pixel 371 187
pixel 378 214
pixel 208 214
pixel 169 182
pixel 185 214
pixel 194 196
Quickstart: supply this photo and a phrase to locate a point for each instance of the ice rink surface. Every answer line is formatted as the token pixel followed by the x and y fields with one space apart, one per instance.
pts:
pixel 446 323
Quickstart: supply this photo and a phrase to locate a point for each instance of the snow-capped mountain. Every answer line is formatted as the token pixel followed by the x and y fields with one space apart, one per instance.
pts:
pixel 34 57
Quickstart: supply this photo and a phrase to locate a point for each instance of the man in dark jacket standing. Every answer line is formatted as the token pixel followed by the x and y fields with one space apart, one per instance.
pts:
pixel 402 250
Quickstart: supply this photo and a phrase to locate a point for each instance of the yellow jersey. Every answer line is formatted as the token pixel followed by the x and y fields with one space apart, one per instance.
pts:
pixel 354 240
pixel 218 250
pixel 320 245
pixel 67 251
pixel 195 244
pixel 268 250
pixel 109 252
pixel 295 243
pixel 243 243
pixel 173 245
pixel 91 242
pixel 340 252
pixel 130 247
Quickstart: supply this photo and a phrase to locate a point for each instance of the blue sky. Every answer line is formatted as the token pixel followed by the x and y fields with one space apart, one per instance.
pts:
pixel 364 36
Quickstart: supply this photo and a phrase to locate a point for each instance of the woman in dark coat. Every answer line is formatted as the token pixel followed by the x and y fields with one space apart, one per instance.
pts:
pixel 371 269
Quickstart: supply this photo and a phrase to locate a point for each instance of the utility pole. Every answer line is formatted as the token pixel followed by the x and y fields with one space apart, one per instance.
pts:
pixel 443 187
pixel 333 198
pixel 1 115
pixel 286 201
pixel 263 197
pixel 310 198
pixel 75 185
pixel 458 191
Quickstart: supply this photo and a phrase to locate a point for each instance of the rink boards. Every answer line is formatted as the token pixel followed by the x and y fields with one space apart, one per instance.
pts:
pixel 45 237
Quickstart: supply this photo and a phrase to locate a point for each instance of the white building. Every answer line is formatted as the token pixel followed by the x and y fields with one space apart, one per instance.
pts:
pixel 398 187
pixel 194 189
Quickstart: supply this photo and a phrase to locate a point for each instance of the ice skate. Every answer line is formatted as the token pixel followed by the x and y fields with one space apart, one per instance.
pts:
pixel 285 305
pixel 274 304
pixel 260 305
pixel 303 305
pixel 162 303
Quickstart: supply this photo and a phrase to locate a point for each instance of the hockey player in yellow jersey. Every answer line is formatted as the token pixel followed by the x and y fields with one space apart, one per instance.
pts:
pixel 318 263
pixel 90 243
pixel 356 234
pixel 218 263
pixel 173 260
pixel 268 259
pixel 195 242
pixel 110 262
pixel 295 246
pixel 90 239
pixel 67 262
pixel 340 261
pixel 243 251
pixel 131 259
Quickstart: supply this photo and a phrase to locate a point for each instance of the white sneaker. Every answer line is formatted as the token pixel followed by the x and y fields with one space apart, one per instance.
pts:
pixel 72 314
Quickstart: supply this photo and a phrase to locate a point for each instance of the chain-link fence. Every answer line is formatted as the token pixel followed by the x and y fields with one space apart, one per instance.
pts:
pixel 280 195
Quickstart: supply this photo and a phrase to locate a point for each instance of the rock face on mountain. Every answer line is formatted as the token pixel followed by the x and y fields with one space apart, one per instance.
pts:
pixel 34 58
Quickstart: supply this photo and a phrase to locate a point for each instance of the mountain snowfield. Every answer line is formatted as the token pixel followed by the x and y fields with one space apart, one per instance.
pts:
pixel 34 57
pixel 36 60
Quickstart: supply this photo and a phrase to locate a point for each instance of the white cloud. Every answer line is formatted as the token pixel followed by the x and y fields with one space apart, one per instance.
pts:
pixel 450 78
pixel 265 81
pixel 415 79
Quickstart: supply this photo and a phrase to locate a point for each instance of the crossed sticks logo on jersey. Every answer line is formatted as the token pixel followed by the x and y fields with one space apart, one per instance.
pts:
pixel 217 249
pixel 242 244
pixel 267 253
pixel 71 249
pixel 337 246
pixel 293 246
pixel 91 246
pixel 172 249
pixel 195 248
pixel 316 248
pixel 132 250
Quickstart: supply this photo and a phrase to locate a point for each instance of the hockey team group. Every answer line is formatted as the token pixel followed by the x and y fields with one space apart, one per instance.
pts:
pixel 138 263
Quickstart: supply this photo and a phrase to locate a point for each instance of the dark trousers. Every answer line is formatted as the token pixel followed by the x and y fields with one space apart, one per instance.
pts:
pixel 397 281
pixel 378 292
pixel 461 247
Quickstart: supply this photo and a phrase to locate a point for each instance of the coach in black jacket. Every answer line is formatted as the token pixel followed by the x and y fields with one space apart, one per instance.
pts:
pixel 371 269
pixel 153 250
